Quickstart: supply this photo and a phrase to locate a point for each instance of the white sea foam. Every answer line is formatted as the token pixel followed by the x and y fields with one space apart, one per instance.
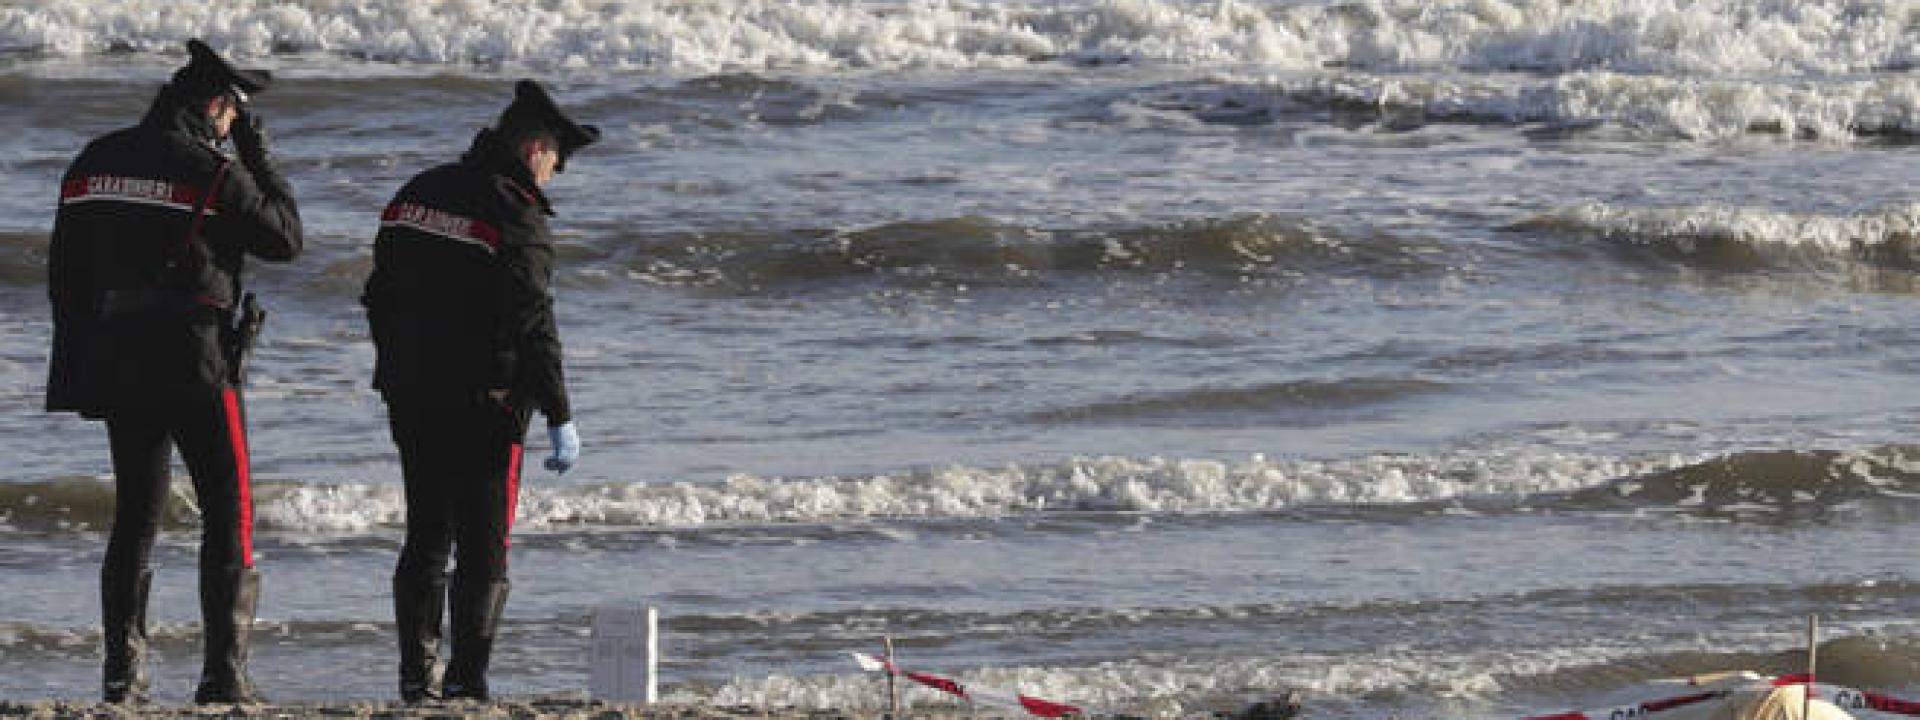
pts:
pixel 1692 108
pixel 1687 228
pixel 1094 484
pixel 1686 37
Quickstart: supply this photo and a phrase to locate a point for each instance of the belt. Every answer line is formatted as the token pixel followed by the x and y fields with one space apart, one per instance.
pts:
pixel 116 303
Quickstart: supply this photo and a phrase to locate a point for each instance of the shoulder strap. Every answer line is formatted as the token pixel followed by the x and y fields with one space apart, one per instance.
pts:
pixel 200 206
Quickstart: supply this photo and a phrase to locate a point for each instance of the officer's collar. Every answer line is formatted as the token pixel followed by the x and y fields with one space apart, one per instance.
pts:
pixel 170 112
pixel 490 152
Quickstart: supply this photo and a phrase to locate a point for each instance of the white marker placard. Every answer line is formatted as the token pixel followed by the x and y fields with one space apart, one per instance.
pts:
pixel 626 653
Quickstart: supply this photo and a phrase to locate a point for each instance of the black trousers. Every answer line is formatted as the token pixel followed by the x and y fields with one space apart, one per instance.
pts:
pixel 209 428
pixel 208 425
pixel 461 460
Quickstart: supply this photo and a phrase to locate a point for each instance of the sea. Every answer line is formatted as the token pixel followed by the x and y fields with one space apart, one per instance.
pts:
pixel 1433 358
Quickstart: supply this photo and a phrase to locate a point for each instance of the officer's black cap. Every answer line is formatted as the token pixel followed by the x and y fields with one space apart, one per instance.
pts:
pixel 206 74
pixel 533 111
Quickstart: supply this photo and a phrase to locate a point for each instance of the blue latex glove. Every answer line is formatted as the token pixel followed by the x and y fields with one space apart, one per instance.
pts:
pixel 566 447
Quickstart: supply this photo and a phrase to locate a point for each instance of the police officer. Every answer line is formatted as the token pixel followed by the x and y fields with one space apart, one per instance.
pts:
pixel 149 332
pixel 462 322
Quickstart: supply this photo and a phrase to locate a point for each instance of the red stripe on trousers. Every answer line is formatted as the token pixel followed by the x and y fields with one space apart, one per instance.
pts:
pixel 513 491
pixel 237 439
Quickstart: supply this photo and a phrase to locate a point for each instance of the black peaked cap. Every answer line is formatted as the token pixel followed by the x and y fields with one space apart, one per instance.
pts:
pixel 533 110
pixel 208 74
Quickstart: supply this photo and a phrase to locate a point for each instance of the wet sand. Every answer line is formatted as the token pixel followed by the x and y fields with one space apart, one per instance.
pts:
pixel 1285 706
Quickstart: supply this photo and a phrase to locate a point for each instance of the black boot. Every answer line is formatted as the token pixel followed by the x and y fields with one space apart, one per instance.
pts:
pixel 419 605
pixel 123 615
pixel 476 616
pixel 227 600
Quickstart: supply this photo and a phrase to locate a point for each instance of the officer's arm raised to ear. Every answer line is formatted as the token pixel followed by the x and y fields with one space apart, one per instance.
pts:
pixel 257 210
pixel 254 210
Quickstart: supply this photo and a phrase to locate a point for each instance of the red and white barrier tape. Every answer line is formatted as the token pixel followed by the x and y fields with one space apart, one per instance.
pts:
pixel 1845 698
pixel 1032 705
pixel 1842 697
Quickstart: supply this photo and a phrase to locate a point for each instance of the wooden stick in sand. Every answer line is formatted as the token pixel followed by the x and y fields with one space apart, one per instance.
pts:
pixel 893 691
pixel 1813 656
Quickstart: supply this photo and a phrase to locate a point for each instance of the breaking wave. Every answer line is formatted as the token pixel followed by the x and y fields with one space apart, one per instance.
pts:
pixel 1696 37
pixel 1639 105
pixel 1755 483
pixel 1747 238
pixel 1738 484
pixel 1106 484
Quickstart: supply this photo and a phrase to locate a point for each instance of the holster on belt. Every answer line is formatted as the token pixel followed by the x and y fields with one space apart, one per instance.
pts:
pixel 247 320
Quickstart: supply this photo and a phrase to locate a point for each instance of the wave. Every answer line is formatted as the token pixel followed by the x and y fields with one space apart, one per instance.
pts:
pixel 1083 485
pixel 1303 402
pixel 1693 37
pixel 1842 109
pixel 1747 238
pixel 1255 249
pixel 981 251
pixel 947 252
pixel 1784 481
pixel 1749 484
pixel 76 504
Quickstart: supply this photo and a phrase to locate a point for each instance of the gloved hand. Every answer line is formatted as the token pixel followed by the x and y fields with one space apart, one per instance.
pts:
pixel 249 135
pixel 566 447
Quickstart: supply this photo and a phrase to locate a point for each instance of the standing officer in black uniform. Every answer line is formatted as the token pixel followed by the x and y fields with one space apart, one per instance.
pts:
pixel 150 329
pixel 462 320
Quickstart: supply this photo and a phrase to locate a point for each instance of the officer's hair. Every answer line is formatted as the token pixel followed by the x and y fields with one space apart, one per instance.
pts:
pixel 516 137
pixel 198 97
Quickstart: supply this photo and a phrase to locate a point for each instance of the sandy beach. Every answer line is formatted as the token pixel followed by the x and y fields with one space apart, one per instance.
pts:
pixel 558 708
pixel 543 708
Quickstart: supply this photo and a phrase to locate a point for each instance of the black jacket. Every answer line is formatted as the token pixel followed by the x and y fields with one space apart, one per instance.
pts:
pixel 144 264
pixel 460 300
